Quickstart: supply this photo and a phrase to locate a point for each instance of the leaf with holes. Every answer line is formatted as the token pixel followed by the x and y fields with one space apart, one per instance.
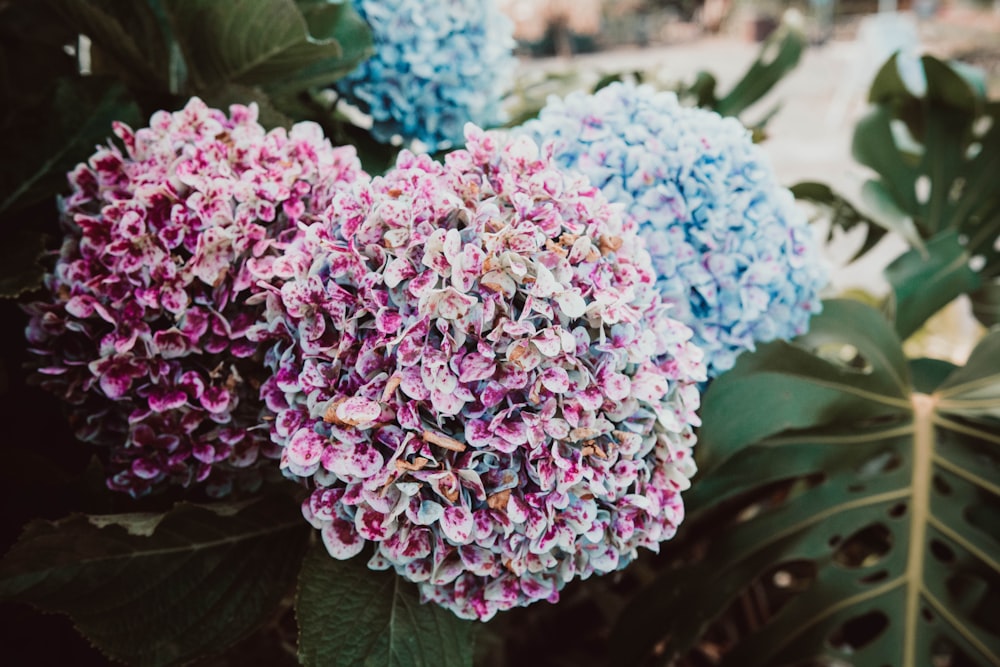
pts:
pixel 875 210
pixel 870 536
pixel 161 589
pixel 937 155
pixel 350 615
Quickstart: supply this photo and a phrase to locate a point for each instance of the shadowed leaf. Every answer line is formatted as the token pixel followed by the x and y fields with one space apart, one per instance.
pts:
pixel 255 41
pixel 925 282
pixel 882 550
pixel 161 590
pixel 350 615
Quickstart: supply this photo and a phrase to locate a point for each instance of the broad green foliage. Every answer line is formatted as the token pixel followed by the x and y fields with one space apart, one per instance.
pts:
pixel 161 589
pixel 262 41
pixel 925 281
pixel 38 160
pixel 349 615
pixel 937 156
pixel 128 41
pixel 778 56
pixel 855 491
pixel 95 103
pixel 143 56
pixel 885 534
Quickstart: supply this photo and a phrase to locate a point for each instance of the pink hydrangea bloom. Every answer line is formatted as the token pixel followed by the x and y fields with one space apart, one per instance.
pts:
pixel 145 332
pixel 477 375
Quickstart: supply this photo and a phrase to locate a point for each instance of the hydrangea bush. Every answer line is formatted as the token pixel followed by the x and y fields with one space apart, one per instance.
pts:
pixel 476 374
pixel 145 328
pixel 732 254
pixel 437 65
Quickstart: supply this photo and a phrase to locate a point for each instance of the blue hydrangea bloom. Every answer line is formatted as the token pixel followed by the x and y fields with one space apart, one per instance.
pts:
pixel 437 65
pixel 731 252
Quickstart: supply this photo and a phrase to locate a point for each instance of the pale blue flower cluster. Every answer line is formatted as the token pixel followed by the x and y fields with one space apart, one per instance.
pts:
pixel 731 252
pixel 437 65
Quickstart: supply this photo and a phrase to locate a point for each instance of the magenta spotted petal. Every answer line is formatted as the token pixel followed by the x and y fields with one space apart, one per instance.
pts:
pixel 501 401
pixel 168 244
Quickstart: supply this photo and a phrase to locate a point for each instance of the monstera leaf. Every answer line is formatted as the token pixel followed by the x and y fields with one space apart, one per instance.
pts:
pixel 937 156
pixel 872 526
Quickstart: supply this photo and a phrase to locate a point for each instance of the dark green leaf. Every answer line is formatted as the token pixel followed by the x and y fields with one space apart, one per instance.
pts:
pixel 60 135
pixel 249 41
pixel 125 35
pixel 795 389
pixel 779 55
pixel 267 113
pixel 882 552
pixel 934 160
pixel 350 615
pixel 843 214
pixel 874 146
pixel 924 283
pixel 161 589
pixel 928 374
pixel 19 268
pixel 31 57
pixel 974 390
pixel 607 80
pixel 703 90
pixel 986 303
pixel 880 208
pixel 339 21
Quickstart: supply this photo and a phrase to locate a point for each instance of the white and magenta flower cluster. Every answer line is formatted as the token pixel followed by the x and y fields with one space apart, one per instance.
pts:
pixel 146 331
pixel 474 365
pixel 437 65
pixel 732 255
pixel 476 374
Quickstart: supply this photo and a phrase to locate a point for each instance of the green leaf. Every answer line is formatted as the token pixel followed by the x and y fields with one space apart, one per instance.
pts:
pixel 60 135
pixel 924 283
pixel 933 157
pixel 703 90
pixel 882 550
pixel 31 57
pixel 161 590
pixel 974 390
pixel 253 41
pixel 843 213
pixel 350 615
pixel 267 113
pixel 884 212
pixel 986 303
pixel 339 21
pixel 796 389
pixel 126 35
pixel 20 271
pixel 779 55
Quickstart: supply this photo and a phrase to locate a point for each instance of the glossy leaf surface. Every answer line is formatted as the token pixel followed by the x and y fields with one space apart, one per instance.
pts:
pixel 884 535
